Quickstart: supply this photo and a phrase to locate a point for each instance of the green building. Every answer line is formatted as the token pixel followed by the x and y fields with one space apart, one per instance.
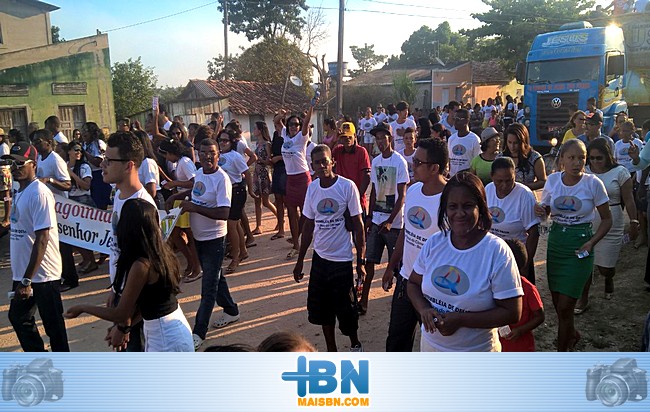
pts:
pixel 38 79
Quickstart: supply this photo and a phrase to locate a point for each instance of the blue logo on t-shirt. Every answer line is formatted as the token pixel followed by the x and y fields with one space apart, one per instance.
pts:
pixel 567 204
pixel 419 217
pixel 287 144
pixel 498 215
pixel 450 280
pixel 458 150
pixel 222 161
pixel 327 207
pixel 199 189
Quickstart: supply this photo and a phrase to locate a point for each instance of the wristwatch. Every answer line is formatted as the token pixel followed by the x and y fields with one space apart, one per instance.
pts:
pixel 50 180
pixel 361 261
pixel 124 329
pixel 26 282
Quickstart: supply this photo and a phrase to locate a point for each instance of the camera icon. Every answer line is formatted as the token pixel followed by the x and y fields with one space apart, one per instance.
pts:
pixel 614 385
pixel 30 385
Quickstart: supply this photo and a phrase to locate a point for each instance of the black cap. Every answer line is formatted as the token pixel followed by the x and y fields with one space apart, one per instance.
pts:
pixel 594 117
pixel 381 127
pixel 22 151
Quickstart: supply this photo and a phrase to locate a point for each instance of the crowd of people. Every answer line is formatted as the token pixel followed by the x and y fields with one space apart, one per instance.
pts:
pixel 449 195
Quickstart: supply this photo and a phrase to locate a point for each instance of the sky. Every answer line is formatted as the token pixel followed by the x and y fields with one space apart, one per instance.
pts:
pixel 177 38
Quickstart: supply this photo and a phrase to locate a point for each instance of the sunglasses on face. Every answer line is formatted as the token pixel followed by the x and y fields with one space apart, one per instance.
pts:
pixel 18 163
pixel 596 158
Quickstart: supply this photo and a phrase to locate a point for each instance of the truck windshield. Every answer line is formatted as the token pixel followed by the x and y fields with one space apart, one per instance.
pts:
pixel 558 71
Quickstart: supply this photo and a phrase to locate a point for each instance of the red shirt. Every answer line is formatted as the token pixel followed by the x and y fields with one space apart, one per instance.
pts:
pixel 354 166
pixel 532 302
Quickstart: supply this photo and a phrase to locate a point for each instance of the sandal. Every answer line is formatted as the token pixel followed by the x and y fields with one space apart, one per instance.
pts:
pixel 277 236
pixel 192 277
pixel 243 257
pixel 257 231
pixel 91 267
pixel 232 267
pixel 292 254
pixel 579 310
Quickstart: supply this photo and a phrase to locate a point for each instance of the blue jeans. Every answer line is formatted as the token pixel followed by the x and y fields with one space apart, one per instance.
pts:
pixel 214 287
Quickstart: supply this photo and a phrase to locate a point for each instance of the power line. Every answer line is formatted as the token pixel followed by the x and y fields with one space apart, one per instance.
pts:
pixel 161 18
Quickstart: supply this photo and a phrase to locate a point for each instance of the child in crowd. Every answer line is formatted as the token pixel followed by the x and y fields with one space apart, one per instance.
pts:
pixel 520 338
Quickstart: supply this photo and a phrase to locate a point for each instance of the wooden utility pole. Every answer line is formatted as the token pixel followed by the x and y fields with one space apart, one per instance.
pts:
pixel 339 64
pixel 226 57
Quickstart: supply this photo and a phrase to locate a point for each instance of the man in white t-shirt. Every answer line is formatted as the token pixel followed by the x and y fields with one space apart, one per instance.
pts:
pixel 463 145
pixel 209 209
pixel 380 116
pixel 53 171
pixel 421 221
pixel 389 176
pixel 35 258
pixel 330 201
pixel 124 155
pixel 399 126
pixel 365 126
pixel 53 124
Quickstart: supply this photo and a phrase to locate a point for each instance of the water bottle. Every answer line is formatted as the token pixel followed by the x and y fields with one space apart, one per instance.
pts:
pixel 316 96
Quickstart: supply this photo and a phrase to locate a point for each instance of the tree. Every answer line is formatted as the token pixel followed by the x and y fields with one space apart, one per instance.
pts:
pixel 425 45
pixel 404 88
pixel 168 93
pixel 272 61
pixel 366 58
pixel 133 87
pixel 56 34
pixel 512 25
pixel 266 19
pixel 216 67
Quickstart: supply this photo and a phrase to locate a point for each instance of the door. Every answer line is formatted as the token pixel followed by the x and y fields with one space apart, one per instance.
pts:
pixel 14 119
pixel 445 96
pixel 72 117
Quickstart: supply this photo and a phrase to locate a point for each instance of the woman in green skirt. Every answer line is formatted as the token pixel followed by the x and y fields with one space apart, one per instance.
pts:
pixel 572 198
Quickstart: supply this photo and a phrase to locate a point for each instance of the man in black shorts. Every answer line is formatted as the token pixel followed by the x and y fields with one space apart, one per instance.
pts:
pixel 331 292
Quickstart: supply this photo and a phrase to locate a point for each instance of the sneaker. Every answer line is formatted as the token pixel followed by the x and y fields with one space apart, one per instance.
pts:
pixel 197 342
pixel 357 348
pixel 225 320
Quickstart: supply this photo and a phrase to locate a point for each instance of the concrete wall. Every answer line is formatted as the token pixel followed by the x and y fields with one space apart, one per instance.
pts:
pixel 82 60
pixel 23 27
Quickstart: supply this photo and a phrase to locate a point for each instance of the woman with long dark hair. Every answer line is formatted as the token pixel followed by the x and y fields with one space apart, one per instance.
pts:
pixel 465 282
pixel 94 146
pixel 261 175
pixel 529 163
pixel 146 283
pixel 81 178
pixel 149 171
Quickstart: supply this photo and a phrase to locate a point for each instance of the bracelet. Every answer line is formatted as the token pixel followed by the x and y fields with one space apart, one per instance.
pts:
pixel 634 221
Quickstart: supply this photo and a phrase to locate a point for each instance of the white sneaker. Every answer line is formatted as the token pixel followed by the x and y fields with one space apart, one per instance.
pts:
pixel 357 348
pixel 225 320
pixel 197 342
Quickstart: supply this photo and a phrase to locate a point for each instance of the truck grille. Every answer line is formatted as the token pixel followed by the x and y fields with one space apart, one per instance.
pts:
pixel 550 117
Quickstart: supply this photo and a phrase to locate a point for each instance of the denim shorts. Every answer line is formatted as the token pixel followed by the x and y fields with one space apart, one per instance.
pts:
pixel 376 242
pixel 170 333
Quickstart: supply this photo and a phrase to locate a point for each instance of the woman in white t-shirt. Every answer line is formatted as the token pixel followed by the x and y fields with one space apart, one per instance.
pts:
pixel 94 147
pixel 408 151
pixel 512 207
pixel 149 171
pixel 182 171
pixel 81 177
pixel 465 283
pixel 572 198
pixel 234 164
pixel 618 183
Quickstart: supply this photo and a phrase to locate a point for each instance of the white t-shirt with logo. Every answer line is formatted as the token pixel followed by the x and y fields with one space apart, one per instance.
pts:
pixel 33 210
pixel 409 162
pixel 55 167
pixel 623 158
pixel 293 153
pixel 117 210
pixel 398 132
pixel 380 117
pixel 148 172
pixel 513 215
pixel 367 125
pixel 184 169
pixel 233 164
pixel 84 172
pixel 573 205
pixel 420 222
pixel 461 151
pixel 211 190
pixel 326 206
pixel 467 280
pixel 385 175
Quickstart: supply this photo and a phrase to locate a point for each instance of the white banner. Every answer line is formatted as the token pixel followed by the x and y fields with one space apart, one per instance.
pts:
pixel 90 228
